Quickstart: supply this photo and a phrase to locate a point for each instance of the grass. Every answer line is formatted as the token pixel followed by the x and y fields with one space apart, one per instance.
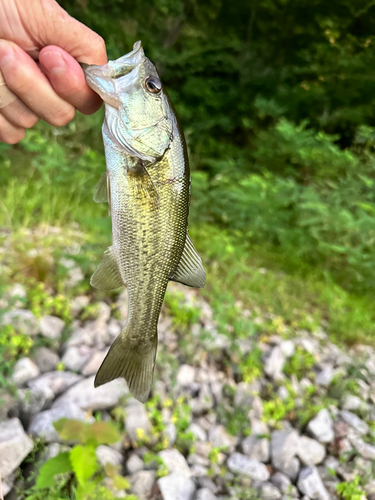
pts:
pixel 49 180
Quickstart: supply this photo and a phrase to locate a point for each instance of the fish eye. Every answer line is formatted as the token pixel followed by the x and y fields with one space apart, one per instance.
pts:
pixel 153 84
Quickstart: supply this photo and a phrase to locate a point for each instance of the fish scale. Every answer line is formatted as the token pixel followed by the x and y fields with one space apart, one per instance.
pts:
pixel 148 181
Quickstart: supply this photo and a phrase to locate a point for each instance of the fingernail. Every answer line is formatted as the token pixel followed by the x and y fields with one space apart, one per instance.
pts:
pixel 53 62
pixel 6 53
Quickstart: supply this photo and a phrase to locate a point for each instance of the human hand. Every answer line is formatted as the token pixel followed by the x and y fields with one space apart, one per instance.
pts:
pixel 40 45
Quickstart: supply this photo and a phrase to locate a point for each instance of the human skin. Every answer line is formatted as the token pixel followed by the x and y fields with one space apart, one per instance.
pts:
pixel 40 50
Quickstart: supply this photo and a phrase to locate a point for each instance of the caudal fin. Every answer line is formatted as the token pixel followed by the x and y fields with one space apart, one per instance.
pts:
pixel 132 359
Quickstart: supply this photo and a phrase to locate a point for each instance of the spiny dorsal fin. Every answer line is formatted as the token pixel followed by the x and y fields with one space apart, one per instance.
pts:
pixel 190 270
pixel 107 275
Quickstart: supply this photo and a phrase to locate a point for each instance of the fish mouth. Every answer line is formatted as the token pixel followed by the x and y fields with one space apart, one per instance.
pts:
pixel 113 69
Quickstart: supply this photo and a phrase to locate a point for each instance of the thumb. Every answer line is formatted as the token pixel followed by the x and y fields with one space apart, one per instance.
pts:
pixel 78 40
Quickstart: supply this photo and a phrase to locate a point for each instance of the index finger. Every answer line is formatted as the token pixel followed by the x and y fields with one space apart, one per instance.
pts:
pixel 67 79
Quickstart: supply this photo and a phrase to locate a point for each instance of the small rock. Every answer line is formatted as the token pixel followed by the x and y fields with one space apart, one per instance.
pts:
pixel 321 427
pixel 258 428
pixel 219 438
pixel 353 403
pixel 87 397
pixel 205 494
pixel 58 382
pixel 198 432
pixel 94 363
pixel 291 469
pixel 75 357
pixel 281 481
pixel 107 455
pixel 51 327
pixel 79 337
pixel 240 464
pixel 176 487
pixel 42 424
pixel 195 459
pixel 77 304
pixel 32 402
pixel 23 371
pixel 325 376
pixel 274 364
pixel 287 348
pixel 16 292
pixel 366 450
pixel 245 394
pixel 269 492
pixel 256 448
pixel 142 483
pixel 46 360
pixel 15 445
pixel 256 408
pixel 23 321
pixel 310 452
pixel 185 375
pixel 284 446
pixel 171 433
pixel 175 462
pixel 310 484
pixel 137 424
pixel 6 486
pixel 351 419
pixel 134 464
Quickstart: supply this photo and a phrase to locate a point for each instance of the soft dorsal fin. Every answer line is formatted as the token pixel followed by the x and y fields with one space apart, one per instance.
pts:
pixel 190 270
pixel 107 276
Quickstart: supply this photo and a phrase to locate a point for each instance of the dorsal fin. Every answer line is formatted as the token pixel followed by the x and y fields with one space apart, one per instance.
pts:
pixel 190 270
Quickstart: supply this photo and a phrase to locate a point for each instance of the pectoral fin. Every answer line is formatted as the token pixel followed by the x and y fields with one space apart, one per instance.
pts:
pixel 143 184
pixel 107 276
pixel 190 270
pixel 101 190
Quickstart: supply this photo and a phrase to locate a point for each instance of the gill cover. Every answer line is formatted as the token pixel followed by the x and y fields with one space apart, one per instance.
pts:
pixel 137 120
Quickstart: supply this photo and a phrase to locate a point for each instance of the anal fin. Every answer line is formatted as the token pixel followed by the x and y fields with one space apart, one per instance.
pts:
pixel 190 270
pixel 107 275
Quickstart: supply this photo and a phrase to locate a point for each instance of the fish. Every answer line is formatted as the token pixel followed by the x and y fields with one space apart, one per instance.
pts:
pixel 147 187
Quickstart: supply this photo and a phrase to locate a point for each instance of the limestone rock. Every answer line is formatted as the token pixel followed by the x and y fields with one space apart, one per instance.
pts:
pixel 51 327
pixel 15 445
pixel 24 370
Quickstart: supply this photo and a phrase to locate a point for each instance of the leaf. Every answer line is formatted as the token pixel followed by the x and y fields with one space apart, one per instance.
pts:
pixel 120 482
pixel 84 463
pixel 110 470
pixel 56 465
pixel 69 429
pixel 103 433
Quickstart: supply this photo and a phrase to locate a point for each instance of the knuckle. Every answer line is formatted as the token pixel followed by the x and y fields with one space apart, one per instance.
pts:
pixel 19 83
pixel 27 119
pixel 63 116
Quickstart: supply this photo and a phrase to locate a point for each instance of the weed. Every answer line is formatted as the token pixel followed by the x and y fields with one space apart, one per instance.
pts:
pixel 351 490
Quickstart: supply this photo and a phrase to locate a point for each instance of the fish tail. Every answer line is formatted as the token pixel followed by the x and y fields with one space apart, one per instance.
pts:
pixel 132 359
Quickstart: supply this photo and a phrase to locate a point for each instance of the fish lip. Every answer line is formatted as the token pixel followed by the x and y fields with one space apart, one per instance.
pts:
pixel 117 68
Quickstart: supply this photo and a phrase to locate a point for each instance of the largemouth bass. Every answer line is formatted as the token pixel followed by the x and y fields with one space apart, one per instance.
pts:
pixel 147 186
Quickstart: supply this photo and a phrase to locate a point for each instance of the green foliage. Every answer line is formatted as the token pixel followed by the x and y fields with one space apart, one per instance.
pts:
pixel 13 346
pixel 77 473
pixel 251 367
pixel 300 364
pixel 41 302
pixel 183 314
pixel 351 490
pixel 60 464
